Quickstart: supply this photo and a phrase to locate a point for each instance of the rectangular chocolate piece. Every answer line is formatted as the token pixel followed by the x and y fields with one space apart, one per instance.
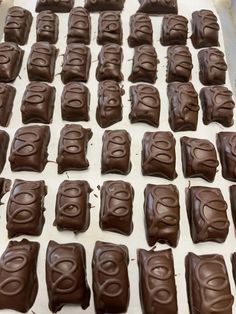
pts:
pixel 72 148
pixel 162 214
pixel 109 28
pixel 72 206
pixel 47 27
pixel 157 282
pixel 141 31
pixel 62 6
pixel 183 106
pixel 208 286
pixel 116 152
pixel 174 30
pixel 25 208
pixel 38 103
pixel 158 155
pixel 116 209
pixel 104 5
pixel 76 63
pixel 7 96
pixel 4 142
pixel 18 275
pixel 66 276
pixel 158 6
pixel 29 148
pixel 110 284
pixel 232 193
pixel 17 25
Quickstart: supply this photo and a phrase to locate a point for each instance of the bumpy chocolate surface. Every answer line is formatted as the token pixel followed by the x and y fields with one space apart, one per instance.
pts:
pixel 157 282
pixel 29 148
pixel 109 28
pixel 25 208
pixel 62 6
pixel 66 276
pixel 141 31
pixel 217 105
pixel 18 276
pixel 158 155
pixel 104 5
pixel 72 148
pixel 158 6
pixel 109 109
pixel 110 277
pixel 212 66
pixel 76 63
pixel 7 96
pixel 4 140
pixel 208 285
pixel 116 152
pixel 174 30
pixel 116 209
pixel 41 62
pixel 205 29
pixel 17 25
pixel 198 158
pixel 206 209
pixel 183 106
pixel 5 185
pixel 38 103
pixel 47 27
pixel 162 214
pixel 144 67
pixel 232 192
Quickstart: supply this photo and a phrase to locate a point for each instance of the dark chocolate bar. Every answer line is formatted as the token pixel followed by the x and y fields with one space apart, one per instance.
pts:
pixel 47 27
pixel 158 6
pixel 62 6
pixel 104 5
pixel 4 140
pixel 110 28
pixel 141 31
pixel 174 30
pixel 7 96
pixel 232 193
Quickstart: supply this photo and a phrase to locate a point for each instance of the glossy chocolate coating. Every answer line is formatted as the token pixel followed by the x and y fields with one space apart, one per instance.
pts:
pixel 109 28
pixel 199 158
pixel 38 103
pixel 29 148
pixel 7 96
pixel 18 276
pixel 4 140
pixel 66 276
pixel 158 6
pixel 174 30
pixel 11 56
pixel 116 152
pixel 62 6
pixel 205 29
pixel 144 68
pixel 110 278
pixel 157 282
pixel 109 109
pixel 158 155
pixel 47 27
pixel 72 148
pixel 75 101
pixel 162 214
pixel 104 5
pixel 116 209
pixel 79 26
pixel 232 193
pixel 206 209
pixel 5 185
pixel 183 106
pixel 41 62
pixel 217 105
pixel 212 66
pixel 25 208
pixel 141 31
pixel 208 286
pixel 145 104
pixel 76 63
pixel 17 25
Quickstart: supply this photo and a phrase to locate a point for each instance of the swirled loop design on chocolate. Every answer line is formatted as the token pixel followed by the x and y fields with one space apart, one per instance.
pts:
pixel 200 159
pixel 81 21
pixel 111 22
pixel 70 208
pixel 76 56
pixel 28 146
pixel 71 141
pixel 187 98
pixel 146 59
pixel 147 96
pixel 33 93
pixel 215 60
pixel 227 103
pixel 160 150
pixel 207 20
pixel 119 149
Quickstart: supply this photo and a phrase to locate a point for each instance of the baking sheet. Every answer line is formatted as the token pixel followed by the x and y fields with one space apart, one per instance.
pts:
pixel 93 174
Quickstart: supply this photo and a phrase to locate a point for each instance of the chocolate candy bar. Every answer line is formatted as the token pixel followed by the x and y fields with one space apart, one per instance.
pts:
pixel 5 185
pixel 183 106
pixel 140 30
pixel 109 109
pixel 72 206
pixel 205 29
pixel 17 25
pixel 62 6
pixel 29 148
pixel 158 155
pixel 109 28
pixel 7 96
pixel 104 5
pixel 117 207
pixel 158 6
pixel 212 66
pixel 116 152
pixel 75 101
pixel 38 103
pixel 157 282
pixel 72 148
pixel 110 278
pixel 232 192
pixel 145 104
pixel 162 214
pixel 76 63
pixel 47 27
pixel 4 140
pixel 25 208
pixel 206 209
pixel 174 30
pixel 18 276
pixel 79 26
pixel 198 158
pixel 66 276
